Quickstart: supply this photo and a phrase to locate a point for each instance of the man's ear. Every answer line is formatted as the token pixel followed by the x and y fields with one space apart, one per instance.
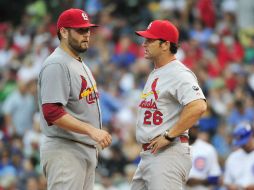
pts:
pixel 165 45
pixel 64 32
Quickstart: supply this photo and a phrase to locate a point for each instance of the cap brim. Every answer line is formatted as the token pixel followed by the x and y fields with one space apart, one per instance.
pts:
pixel 85 26
pixel 146 34
pixel 241 142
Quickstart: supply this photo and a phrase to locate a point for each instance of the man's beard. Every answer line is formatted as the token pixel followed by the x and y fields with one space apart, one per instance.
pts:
pixel 76 46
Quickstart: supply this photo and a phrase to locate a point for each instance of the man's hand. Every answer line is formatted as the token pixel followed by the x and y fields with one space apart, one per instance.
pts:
pixel 102 137
pixel 157 143
pixel 250 187
pixel 233 187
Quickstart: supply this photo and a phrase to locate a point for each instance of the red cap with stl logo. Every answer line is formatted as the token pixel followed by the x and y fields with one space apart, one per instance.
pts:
pixel 74 18
pixel 160 29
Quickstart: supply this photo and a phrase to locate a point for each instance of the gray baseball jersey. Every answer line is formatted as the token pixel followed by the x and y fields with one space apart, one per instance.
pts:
pixel 65 80
pixel 168 89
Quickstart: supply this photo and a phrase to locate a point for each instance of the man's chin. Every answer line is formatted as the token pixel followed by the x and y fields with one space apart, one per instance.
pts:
pixel 146 57
pixel 82 50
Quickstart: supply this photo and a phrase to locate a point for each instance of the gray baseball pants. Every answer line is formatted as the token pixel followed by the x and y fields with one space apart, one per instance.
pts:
pixel 68 165
pixel 166 170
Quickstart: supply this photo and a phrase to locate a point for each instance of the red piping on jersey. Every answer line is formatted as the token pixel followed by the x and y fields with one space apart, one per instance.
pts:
pixel 52 112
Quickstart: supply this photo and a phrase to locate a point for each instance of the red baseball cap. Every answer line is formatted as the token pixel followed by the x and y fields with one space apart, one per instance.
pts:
pixel 74 18
pixel 161 29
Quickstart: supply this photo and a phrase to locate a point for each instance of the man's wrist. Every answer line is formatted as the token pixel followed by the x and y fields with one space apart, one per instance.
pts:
pixel 166 136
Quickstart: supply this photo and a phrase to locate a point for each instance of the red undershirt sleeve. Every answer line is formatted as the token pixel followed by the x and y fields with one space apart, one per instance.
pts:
pixel 52 112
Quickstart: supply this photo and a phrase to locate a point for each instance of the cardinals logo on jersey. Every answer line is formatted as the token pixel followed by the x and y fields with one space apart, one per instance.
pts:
pixel 152 115
pixel 151 104
pixel 88 92
pixel 153 91
pixel 83 87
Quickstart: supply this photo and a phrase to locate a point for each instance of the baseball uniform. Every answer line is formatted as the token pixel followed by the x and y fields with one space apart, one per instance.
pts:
pixel 204 163
pixel 167 90
pixel 239 169
pixel 69 82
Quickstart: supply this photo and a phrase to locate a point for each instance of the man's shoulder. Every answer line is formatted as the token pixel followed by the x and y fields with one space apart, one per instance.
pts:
pixel 178 70
pixel 179 65
pixel 57 56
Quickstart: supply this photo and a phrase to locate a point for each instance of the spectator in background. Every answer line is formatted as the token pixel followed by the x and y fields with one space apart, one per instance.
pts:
pixel 110 105
pixel 6 167
pixel 209 121
pixel 7 84
pixel 245 14
pixel 240 113
pixel 28 172
pixel 32 138
pixel 229 49
pixel 18 109
pixel 193 52
pixel 8 182
pixel 22 39
pixel 32 183
pixel 206 12
pixel 241 176
pixel 219 97
pixel 221 141
pixel 200 33
pixel 125 52
pixel 7 53
pixel 249 52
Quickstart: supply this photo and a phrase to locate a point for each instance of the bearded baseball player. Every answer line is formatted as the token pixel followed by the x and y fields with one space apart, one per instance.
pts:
pixel 69 109
pixel 171 103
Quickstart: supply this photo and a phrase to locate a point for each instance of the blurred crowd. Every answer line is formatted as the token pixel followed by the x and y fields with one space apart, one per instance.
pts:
pixel 216 43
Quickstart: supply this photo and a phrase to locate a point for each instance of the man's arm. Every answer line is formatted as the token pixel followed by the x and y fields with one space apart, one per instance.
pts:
pixel 70 123
pixel 194 182
pixel 54 113
pixel 188 117
pixel 236 187
pixel 233 187
pixel 250 187
pixel 213 180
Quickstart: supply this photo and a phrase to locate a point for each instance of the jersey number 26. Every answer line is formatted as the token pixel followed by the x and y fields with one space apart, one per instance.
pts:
pixel 154 118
